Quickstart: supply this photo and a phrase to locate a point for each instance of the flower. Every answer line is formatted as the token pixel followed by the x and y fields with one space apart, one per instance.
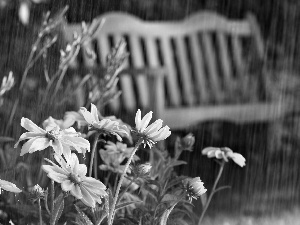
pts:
pixel 152 133
pixel 71 175
pixel 106 126
pixel 224 153
pixel 194 187
pixel 114 155
pixel 8 186
pixel 187 142
pixel 36 193
pixel 7 83
pixel 141 170
pixel 60 140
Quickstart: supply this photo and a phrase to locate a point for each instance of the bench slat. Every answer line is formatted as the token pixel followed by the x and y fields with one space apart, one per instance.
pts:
pixel 157 94
pixel 205 22
pixel 212 67
pixel 185 72
pixel 172 84
pixel 225 62
pixel 237 55
pixel 181 118
pixel 198 64
pixel 138 62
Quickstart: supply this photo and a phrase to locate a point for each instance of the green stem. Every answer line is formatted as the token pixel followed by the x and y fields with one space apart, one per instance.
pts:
pixel 40 212
pixel 93 153
pixel 212 192
pixel 112 210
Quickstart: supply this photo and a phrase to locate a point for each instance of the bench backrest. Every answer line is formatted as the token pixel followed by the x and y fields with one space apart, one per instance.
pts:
pixel 206 56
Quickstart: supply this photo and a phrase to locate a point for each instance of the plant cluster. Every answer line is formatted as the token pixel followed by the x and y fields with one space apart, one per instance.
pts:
pixel 131 191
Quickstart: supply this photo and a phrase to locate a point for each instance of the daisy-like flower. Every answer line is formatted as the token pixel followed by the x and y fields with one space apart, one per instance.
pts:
pixel 8 186
pixel 194 187
pixel 152 133
pixel 224 153
pixel 114 155
pixel 72 177
pixel 62 141
pixel 36 193
pixel 106 126
pixel 141 170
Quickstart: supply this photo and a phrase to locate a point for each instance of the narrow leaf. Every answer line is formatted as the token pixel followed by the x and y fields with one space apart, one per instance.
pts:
pixel 122 205
pixel 58 208
pixel 84 218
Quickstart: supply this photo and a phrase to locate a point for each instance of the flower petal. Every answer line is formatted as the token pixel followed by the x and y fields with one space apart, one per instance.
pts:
pixel 87 115
pixel 76 192
pixel 53 169
pixel 238 159
pixel 206 150
pixel 57 177
pixel 34 144
pixel 28 135
pixel 154 127
pixel 145 121
pixel 67 185
pixel 94 112
pixel 57 147
pixel 8 186
pixel 31 126
pixel 138 119
pixel 87 198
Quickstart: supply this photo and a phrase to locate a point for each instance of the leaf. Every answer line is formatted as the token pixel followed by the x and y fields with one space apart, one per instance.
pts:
pixel 177 163
pixel 83 217
pixel 58 208
pixel 122 205
pixel 165 215
pixel 176 181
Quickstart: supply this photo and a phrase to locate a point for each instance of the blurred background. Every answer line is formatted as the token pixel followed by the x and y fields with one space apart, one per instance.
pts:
pixel 270 181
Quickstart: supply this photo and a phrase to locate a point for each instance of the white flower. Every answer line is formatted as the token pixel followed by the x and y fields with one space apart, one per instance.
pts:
pixel 194 187
pixel 60 140
pixel 72 177
pixel 224 153
pixel 8 186
pixel 152 133
pixel 104 125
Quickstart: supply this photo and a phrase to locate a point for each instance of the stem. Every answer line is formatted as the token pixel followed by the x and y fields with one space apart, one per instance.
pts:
pixel 212 192
pixel 61 77
pixel 52 195
pixel 107 178
pixel 40 212
pixel 52 190
pixel 112 210
pixel 125 190
pixel 93 153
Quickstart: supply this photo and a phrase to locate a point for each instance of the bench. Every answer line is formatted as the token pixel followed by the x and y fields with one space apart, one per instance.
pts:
pixel 206 67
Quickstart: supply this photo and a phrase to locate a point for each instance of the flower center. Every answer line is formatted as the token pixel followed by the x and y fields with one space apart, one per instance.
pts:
pixel 53 134
pixel 74 178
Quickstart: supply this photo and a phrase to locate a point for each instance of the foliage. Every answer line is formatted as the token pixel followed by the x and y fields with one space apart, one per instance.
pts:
pixel 132 192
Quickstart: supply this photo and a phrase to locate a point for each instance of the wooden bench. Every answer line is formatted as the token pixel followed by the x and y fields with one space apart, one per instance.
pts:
pixel 207 67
